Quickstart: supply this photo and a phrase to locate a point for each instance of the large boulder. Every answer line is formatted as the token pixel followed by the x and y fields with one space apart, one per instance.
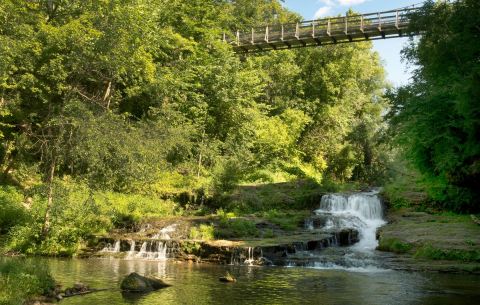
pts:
pixel 134 282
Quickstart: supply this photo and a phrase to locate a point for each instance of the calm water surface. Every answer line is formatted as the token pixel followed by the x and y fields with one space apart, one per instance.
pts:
pixel 198 284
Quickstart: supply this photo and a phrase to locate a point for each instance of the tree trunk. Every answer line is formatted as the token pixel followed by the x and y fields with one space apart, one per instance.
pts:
pixel 46 223
pixel 200 155
pixel 107 95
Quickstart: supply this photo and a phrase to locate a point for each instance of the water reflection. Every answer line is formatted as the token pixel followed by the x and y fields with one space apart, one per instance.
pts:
pixel 198 284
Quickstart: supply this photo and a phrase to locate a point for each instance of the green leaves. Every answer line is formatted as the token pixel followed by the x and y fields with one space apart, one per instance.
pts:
pixel 437 119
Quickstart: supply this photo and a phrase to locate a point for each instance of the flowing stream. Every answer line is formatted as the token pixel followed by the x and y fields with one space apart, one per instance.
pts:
pixel 198 284
pixel 359 211
pixel 333 274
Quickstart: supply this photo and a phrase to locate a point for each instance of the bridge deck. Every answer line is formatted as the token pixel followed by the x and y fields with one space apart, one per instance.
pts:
pixel 381 25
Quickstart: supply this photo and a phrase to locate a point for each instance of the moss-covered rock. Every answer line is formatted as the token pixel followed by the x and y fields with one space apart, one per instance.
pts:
pixel 137 283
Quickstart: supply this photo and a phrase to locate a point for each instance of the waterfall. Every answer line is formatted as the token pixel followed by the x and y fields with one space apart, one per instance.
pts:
pixel 163 233
pixel 112 249
pixel 131 253
pixel 148 251
pixel 360 211
pixel 250 260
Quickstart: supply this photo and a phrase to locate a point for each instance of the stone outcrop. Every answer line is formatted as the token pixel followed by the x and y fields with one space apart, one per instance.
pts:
pixel 134 282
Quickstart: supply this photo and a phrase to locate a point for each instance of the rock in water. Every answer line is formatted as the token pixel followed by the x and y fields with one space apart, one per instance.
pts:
pixel 137 283
pixel 228 278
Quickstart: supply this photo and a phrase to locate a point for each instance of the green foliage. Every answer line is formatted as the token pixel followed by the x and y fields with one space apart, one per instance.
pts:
pixel 118 107
pixel 203 232
pixel 237 228
pixel 436 118
pixel 11 210
pixel 288 220
pixel 190 247
pixel 394 245
pixel 77 214
pixel 127 210
pixel 21 280
pixel 430 252
pixel 245 199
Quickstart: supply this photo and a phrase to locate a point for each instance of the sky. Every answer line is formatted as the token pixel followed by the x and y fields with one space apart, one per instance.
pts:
pixel 397 72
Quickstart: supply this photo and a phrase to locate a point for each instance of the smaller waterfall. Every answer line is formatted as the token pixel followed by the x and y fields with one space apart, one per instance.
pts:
pixel 132 252
pixel 309 224
pixel 163 233
pixel 250 259
pixel 150 252
pixel 112 249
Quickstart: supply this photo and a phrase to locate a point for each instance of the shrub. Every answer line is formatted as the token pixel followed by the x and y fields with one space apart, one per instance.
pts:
pixel 22 279
pixel 237 228
pixel 203 232
pixel 11 210
pixel 287 220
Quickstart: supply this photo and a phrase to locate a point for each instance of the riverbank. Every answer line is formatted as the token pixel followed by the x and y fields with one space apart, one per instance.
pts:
pixel 420 241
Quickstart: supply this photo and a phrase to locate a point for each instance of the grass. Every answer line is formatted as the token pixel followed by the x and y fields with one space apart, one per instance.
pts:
pixel 394 245
pixel 286 220
pixel 235 228
pixel 21 280
pixel 247 199
pixel 430 252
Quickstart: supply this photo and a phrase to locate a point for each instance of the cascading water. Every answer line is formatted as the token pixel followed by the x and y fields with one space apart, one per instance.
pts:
pixel 163 233
pixel 112 249
pixel 132 252
pixel 359 211
pixel 250 260
pixel 150 252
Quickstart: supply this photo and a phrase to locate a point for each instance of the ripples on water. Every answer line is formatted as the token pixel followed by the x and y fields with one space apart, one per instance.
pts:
pixel 198 284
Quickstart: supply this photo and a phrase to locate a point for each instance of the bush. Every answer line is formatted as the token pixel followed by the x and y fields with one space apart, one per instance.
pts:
pixel 288 221
pixel 77 214
pixel 22 279
pixel 237 228
pixel 126 210
pixel 203 232
pixel 11 210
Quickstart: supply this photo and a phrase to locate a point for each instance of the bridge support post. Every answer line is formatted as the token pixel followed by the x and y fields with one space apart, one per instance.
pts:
pixel 397 20
pixel 379 22
pixel 346 25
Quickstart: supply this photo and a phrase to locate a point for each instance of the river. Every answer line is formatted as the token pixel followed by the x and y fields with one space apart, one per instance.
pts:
pixel 198 284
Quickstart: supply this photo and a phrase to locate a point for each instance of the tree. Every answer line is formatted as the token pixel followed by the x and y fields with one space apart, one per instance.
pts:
pixel 437 118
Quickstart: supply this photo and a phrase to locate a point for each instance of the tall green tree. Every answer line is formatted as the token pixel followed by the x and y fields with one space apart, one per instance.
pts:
pixel 437 118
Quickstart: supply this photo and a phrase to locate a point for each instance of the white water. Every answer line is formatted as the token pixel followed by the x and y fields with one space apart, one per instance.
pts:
pixel 360 211
pixel 163 233
pixel 149 252
pixel 132 252
pixel 112 249
pixel 250 260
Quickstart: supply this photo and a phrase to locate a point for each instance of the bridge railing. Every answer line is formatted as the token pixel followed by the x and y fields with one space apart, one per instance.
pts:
pixel 365 24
